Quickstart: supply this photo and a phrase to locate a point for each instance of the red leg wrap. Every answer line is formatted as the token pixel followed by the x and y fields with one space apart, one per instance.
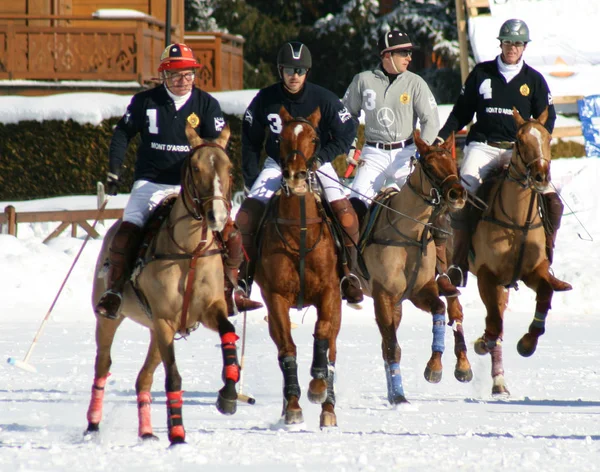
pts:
pixel 231 367
pixel 144 401
pixel 94 413
pixel 174 417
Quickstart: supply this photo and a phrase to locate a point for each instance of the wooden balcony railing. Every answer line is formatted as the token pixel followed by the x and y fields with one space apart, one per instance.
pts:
pixel 53 47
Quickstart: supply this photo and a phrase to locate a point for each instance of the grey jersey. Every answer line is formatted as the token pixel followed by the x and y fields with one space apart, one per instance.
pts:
pixel 391 109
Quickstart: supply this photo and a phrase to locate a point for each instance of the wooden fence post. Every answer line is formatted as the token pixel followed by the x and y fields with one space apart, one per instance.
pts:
pixel 11 218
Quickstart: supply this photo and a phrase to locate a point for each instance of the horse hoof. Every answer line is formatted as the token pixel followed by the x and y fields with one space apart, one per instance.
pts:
pixel 226 406
pixel 317 391
pixel 328 419
pixel 293 417
pixel 500 391
pixel 397 400
pixel 463 375
pixel 148 437
pixel 177 441
pixel 527 345
pixel 480 347
pixel 92 429
pixel 432 376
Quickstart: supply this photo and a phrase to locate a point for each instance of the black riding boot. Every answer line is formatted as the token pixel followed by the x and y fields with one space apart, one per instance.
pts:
pixel 445 286
pixel 552 215
pixel 122 254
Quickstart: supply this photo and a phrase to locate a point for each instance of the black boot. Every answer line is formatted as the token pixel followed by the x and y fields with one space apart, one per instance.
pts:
pixel 445 286
pixel 122 254
pixel 459 269
pixel 552 216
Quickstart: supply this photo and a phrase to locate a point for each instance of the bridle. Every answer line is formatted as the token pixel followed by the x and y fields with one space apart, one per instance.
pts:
pixel 524 179
pixel 439 186
pixel 195 204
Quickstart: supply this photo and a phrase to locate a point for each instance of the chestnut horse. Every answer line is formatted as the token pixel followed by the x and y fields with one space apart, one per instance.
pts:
pixel 400 255
pixel 298 267
pixel 509 244
pixel 182 282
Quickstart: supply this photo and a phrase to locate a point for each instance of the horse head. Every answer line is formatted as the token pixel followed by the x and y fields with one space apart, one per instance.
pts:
pixel 441 170
pixel 206 182
pixel 298 142
pixel 532 154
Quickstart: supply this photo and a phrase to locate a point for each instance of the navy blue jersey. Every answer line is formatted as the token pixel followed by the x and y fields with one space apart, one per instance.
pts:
pixel 163 145
pixel 487 95
pixel 261 120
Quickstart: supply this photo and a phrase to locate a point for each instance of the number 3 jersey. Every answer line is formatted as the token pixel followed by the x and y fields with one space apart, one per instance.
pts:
pixel 163 145
pixel 490 97
pixel 261 120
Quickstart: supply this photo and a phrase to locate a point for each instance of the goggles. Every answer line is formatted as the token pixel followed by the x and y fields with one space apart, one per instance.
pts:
pixel 508 42
pixel 402 53
pixel 187 76
pixel 295 70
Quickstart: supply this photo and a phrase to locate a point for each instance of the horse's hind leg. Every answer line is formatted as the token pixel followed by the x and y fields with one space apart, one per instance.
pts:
pixel 388 316
pixel 494 299
pixel 143 385
pixel 540 282
pixel 427 299
pixel 105 334
pixel 462 370
pixel 165 335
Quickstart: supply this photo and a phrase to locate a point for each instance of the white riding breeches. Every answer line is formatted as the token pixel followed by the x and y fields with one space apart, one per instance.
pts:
pixel 480 162
pixel 378 168
pixel 269 181
pixel 145 196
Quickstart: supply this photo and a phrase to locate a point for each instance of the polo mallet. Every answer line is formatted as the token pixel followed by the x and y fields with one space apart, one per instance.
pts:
pixel 242 397
pixel 24 364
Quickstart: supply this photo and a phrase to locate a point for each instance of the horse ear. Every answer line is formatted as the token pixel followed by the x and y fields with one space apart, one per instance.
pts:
pixel 518 118
pixel 284 114
pixel 192 136
pixel 543 116
pixel 315 117
pixel 449 143
pixel 224 136
pixel 421 145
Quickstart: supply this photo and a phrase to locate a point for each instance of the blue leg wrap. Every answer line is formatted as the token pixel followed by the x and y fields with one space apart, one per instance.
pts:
pixel 438 330
pixel 394 381
pixel 539 320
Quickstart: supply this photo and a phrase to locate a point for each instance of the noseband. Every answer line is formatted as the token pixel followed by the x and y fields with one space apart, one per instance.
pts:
pixel 439 186
pixel 195 204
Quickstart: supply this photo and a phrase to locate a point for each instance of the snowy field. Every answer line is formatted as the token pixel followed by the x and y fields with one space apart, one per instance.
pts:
pixel 551 421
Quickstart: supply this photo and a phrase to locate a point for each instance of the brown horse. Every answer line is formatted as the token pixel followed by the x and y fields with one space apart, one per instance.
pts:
pixel 182 282
pixel 298 267
pixel 510 245
pixel 400 255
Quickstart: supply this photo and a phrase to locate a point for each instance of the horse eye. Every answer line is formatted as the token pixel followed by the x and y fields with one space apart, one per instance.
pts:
pixel 286 174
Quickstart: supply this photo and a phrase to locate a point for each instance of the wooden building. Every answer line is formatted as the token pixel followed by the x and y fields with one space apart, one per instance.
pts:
pixel 50 46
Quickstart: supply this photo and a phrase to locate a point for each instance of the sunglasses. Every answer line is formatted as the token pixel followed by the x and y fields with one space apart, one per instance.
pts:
pixel 295 70
pixel 188 76
pixel 404 53
pixel 519 44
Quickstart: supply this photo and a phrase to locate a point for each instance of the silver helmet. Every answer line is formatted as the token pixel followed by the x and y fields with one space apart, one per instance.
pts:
pixel 514 30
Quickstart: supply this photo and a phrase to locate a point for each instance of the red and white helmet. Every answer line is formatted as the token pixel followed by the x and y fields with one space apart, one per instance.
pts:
pixel 177 56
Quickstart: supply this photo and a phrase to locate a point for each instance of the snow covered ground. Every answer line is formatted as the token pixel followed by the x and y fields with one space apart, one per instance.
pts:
pixel 551 421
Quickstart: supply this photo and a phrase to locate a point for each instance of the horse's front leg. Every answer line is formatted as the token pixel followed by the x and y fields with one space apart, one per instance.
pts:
pixel 539 281
pixel 280 331
pixel 105 335
pixel 165 334
pixel 321 389
pixel 143 385
pixel 388 315
pixel 462 370
pixel 427 299
pixel 493 296
pixel 227 399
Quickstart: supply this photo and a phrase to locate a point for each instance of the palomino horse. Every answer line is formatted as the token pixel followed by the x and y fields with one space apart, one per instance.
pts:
pixel 182 283
pixel 298 267
pixel 510 245
pixel 400 255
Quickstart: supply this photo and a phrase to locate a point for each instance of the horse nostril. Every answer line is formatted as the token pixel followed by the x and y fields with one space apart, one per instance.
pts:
pixel 453 195
pixel 210 215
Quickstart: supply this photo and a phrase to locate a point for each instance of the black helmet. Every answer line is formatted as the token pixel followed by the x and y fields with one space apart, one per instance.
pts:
pixel 514 30
pixel 392 40
pixel 294 54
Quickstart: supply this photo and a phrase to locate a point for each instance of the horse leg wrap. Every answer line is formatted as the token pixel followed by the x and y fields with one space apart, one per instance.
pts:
pixel 94 413
pixel 438 330
pixel 497 364
pixel 289 367
pixel 231 366
pixel 174 415
pixel 318 369
pixel 394 380
pixel 538 324
pixel 144 401
pixel 330 384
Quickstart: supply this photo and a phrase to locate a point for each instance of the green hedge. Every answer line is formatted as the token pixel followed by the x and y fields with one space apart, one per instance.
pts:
pixel 61 158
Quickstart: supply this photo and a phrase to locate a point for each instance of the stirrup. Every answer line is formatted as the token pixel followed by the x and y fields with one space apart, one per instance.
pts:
pixel 350 278
pixel 454 278
pixel 109 304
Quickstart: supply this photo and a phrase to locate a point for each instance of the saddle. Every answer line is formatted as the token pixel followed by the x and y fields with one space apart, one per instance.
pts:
pixel 380 201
